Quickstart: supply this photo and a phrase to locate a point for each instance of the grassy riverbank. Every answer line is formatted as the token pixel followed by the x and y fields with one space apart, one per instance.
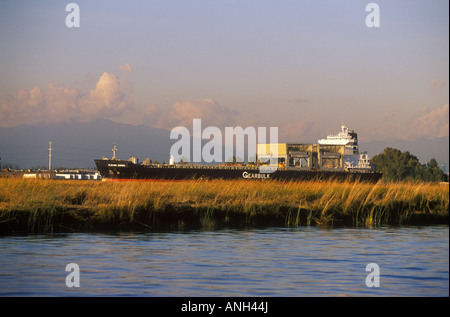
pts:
pixel 39 206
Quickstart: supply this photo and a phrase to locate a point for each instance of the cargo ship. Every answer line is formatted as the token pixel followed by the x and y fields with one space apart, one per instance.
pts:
pixel 336 157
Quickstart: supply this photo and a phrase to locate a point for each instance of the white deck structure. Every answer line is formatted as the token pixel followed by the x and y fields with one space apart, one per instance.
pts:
pixel 353 159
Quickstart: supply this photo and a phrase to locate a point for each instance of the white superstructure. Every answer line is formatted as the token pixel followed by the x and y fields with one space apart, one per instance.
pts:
pixel 353 159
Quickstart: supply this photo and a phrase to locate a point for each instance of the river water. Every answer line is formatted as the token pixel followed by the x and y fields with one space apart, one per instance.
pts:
pixel 270 262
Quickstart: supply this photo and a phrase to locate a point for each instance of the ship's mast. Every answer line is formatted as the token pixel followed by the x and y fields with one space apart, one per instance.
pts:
pixel 344 130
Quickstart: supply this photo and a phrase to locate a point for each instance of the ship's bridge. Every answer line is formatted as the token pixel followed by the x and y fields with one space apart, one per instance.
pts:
pixel 347 138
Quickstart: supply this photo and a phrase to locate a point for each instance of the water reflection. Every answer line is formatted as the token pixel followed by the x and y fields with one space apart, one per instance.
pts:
pixel 306 261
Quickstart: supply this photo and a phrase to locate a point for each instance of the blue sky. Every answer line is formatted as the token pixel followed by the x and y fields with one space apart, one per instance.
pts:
pixel 303 66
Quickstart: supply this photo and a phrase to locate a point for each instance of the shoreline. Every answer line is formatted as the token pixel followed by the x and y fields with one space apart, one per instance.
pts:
pixel 35 206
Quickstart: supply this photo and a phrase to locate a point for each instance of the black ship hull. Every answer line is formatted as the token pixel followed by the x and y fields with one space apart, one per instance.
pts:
pixel 126 170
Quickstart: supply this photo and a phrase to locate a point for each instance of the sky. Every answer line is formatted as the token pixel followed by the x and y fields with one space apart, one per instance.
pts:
pixel 304 66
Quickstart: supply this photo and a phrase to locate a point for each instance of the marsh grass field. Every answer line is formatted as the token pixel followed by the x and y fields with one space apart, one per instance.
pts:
pixel 46 206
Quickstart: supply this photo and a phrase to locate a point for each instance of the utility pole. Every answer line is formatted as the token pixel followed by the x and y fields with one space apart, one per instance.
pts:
pixel 50 156
pixel 114 152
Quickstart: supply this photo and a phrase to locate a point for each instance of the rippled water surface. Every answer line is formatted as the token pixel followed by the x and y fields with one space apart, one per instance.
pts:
pixel 305 261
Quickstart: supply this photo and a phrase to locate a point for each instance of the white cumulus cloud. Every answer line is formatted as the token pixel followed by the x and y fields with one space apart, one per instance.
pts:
pixel 429 123
pixel 126 68
pixel 182 113
pixel 58 103
pixel 432 122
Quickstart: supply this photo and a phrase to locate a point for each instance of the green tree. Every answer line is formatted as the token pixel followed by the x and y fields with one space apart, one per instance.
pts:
pixel 398 166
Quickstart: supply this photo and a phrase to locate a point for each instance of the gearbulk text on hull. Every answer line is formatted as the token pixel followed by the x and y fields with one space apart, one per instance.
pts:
pixel 336 157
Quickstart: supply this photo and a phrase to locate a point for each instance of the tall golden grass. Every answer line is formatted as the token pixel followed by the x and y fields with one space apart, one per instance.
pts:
pixel 57 205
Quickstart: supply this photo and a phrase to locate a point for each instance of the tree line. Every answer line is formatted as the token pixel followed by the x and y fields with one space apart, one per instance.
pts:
pixel 398 166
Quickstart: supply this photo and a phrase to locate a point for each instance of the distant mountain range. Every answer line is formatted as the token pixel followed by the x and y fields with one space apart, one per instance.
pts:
pixel 76 144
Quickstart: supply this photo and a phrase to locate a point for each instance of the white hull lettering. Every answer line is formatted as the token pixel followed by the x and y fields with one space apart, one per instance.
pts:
pixel 255 175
